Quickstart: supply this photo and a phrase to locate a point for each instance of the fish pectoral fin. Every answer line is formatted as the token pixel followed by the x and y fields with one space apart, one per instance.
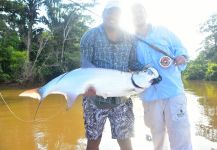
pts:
pixel 128 96
pixel 105 97
pixel 70 98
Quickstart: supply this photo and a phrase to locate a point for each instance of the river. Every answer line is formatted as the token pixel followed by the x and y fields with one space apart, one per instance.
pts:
pixel 58 129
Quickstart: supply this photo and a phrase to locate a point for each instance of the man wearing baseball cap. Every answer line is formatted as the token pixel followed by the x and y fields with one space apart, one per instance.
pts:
pixel 106 46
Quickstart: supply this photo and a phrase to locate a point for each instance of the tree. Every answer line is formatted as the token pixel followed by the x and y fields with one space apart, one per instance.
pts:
pixel 11 54
pixel 47 52
pixel 211 73
pixel 66 29
pixel 204 66
pixel 21 16
pixel 210 42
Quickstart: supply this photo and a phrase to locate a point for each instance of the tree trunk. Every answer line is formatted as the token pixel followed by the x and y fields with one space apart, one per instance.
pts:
pixel 27 72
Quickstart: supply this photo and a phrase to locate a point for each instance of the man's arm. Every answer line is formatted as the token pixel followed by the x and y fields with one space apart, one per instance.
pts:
pixel 179 51
pixel 86 55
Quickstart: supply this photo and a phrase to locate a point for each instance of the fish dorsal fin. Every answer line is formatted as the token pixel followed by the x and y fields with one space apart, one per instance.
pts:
pixel 86 64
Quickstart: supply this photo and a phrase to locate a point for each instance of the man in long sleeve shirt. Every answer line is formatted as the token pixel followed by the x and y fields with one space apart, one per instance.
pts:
pixel 164 103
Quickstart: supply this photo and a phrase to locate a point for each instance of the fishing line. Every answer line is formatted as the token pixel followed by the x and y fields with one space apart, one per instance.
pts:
pixel 28 121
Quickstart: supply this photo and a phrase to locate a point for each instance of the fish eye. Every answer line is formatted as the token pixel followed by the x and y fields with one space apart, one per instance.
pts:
pixel 149 72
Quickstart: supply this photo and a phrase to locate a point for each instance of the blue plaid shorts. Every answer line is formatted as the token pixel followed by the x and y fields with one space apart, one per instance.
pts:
pixel 121 120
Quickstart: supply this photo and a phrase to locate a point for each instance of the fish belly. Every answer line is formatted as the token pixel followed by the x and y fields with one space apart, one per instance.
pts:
pixel 109 83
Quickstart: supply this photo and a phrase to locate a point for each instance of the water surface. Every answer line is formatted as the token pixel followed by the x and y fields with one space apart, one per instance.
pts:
pixel 58 129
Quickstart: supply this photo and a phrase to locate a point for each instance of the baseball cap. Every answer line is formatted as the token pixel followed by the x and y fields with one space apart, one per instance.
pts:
pixel 112 4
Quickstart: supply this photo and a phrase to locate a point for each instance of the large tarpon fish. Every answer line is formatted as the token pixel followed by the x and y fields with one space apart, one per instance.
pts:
pixel 106 82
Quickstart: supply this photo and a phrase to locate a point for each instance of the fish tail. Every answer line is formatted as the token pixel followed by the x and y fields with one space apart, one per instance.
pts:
pixel 33 93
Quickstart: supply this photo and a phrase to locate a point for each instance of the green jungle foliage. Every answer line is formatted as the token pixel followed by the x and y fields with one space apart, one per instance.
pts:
pixel 204 67
pixel 35 46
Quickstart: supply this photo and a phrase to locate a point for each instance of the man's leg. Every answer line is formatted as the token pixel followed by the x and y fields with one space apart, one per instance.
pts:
pixel 94 121
pixel 93 144
pixel 154 119
pixel 178 125
pixel 125 144
pixel 122 124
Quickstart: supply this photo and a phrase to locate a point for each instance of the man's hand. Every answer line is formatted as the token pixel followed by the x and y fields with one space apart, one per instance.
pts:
pixel 91 91
pixel 156 80
pixel 180 60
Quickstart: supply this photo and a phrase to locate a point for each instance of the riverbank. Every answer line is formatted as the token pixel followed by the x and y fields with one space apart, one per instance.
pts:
pixel 19 85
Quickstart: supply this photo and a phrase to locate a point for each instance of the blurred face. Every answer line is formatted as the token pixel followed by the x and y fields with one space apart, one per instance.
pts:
pixel 139 15
pixel 111 17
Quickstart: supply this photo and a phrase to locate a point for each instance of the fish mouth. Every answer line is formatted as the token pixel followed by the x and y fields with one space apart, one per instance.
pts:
pixel 144 79
pixel 134 83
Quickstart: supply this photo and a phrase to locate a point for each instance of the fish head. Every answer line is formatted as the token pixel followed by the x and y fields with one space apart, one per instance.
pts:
pixel 144 78
pixel 152 72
